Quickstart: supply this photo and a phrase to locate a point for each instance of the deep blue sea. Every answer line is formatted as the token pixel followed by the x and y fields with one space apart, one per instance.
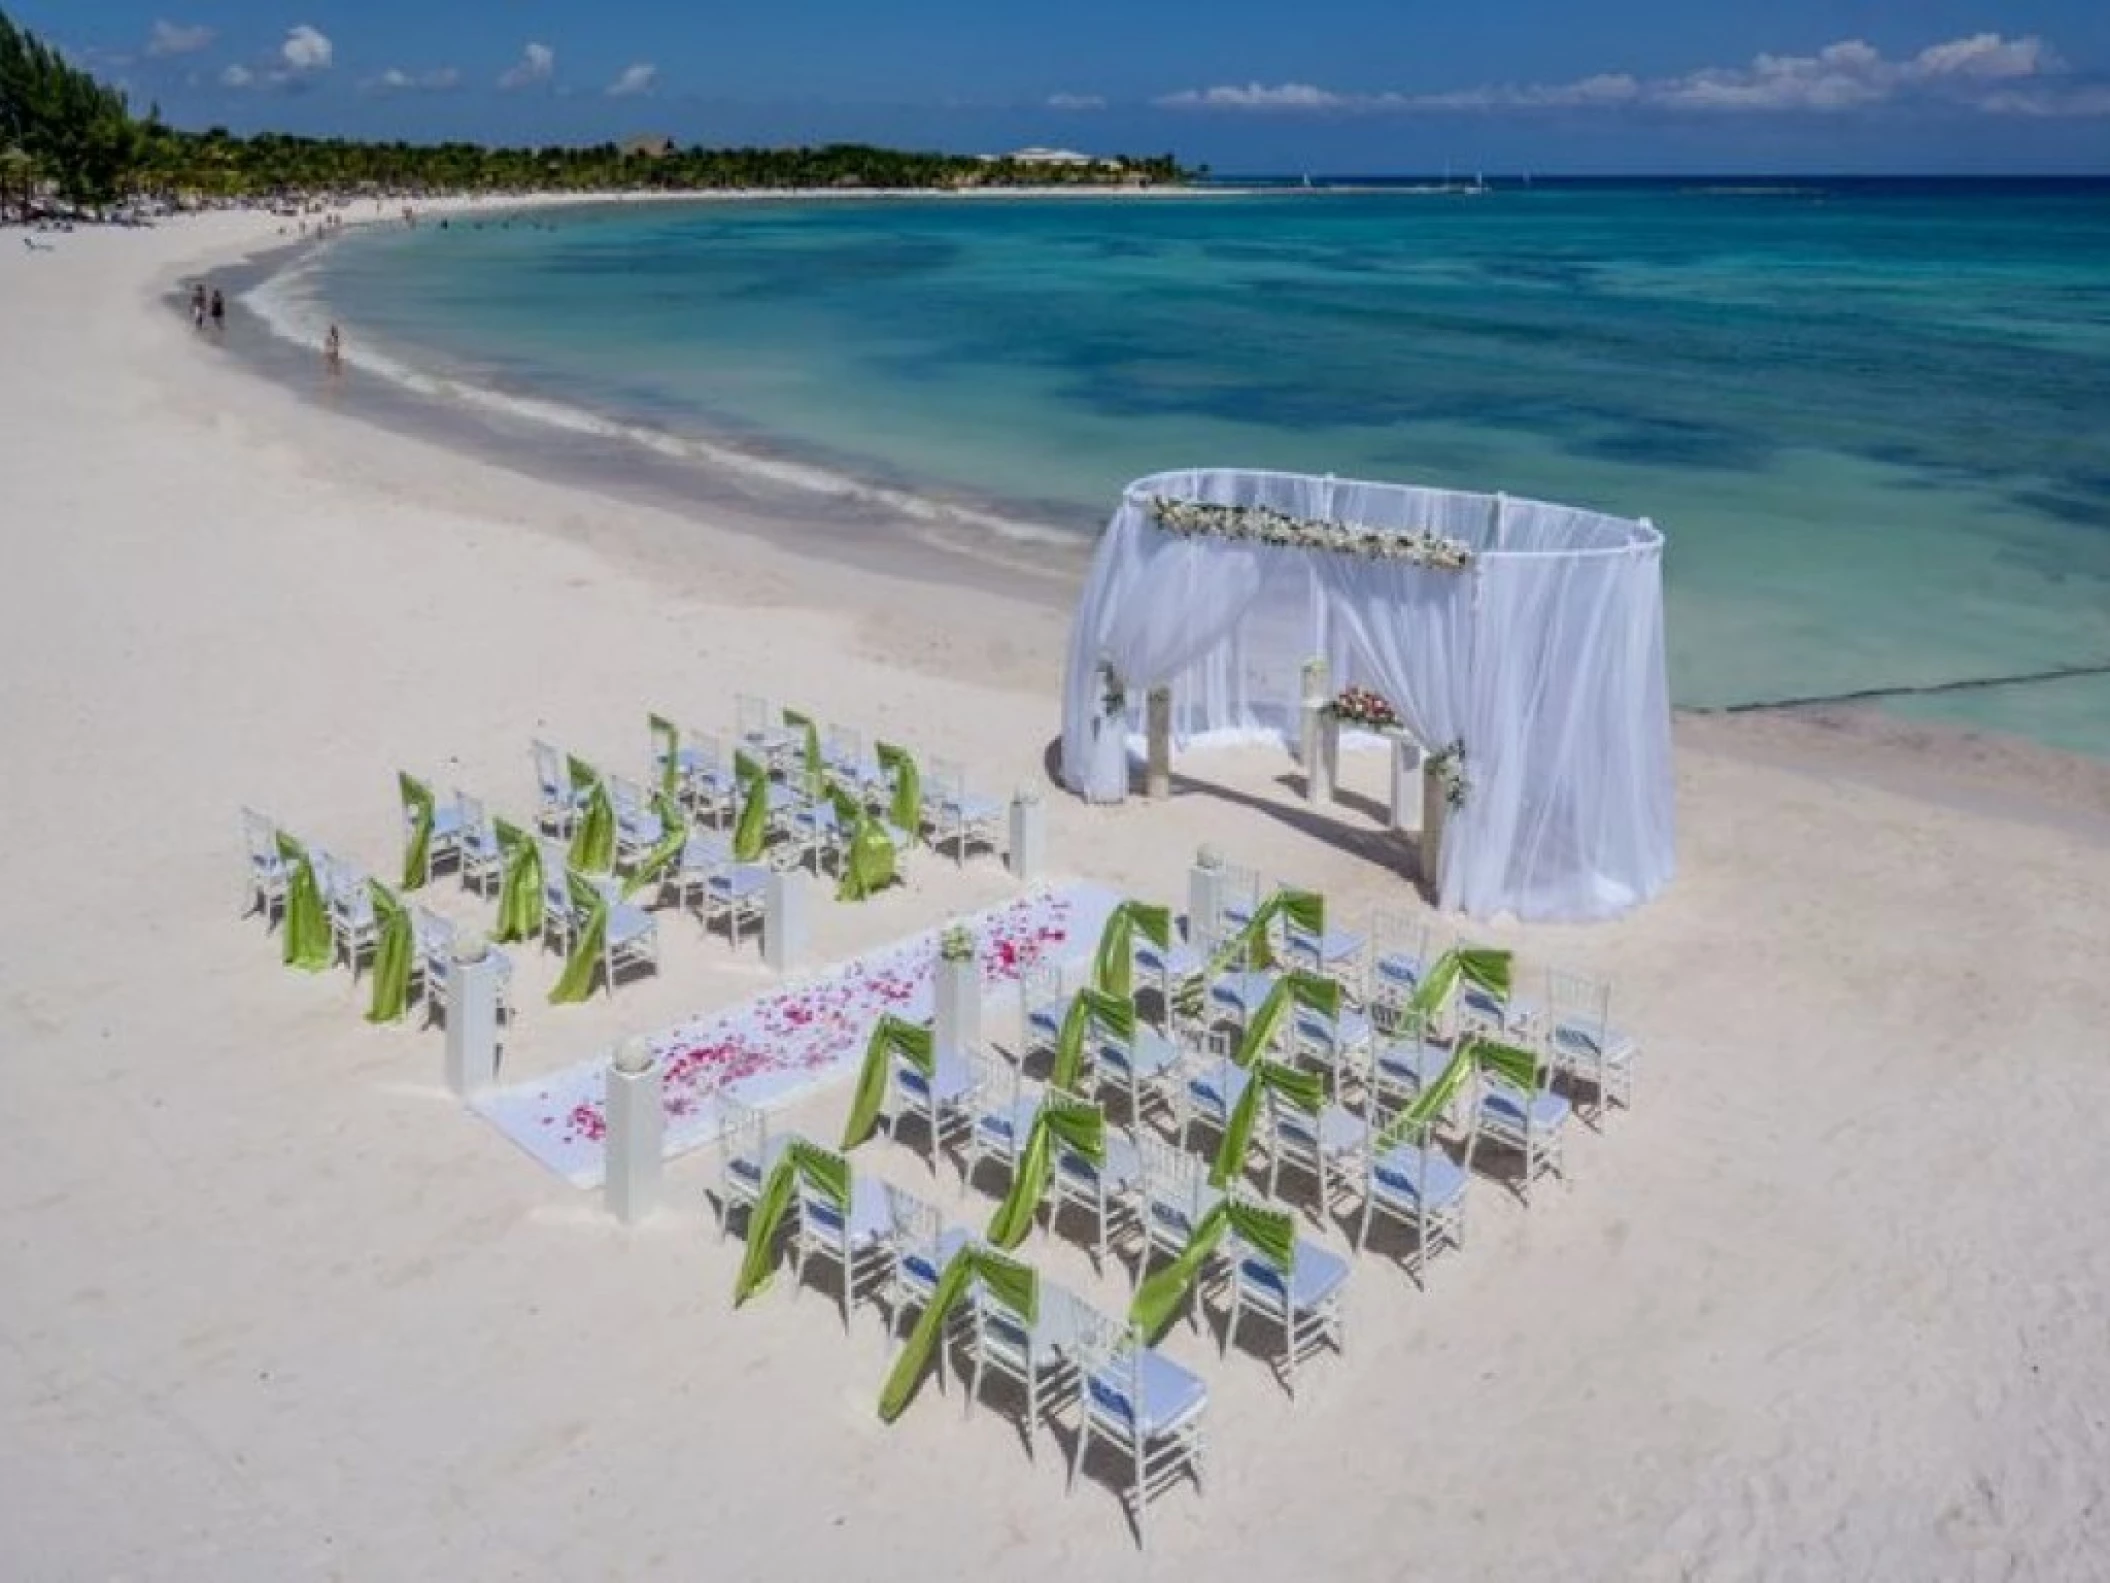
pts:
pixel 1872 417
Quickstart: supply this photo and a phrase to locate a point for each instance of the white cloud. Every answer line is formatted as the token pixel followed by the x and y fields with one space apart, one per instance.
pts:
pixel 538 63
pixel 395 80
pixel 237 76
pixel 306 49
pixel 1985 72
pixel 1258 96
pixel 635 81
pixel 172 38
pixel 1075 101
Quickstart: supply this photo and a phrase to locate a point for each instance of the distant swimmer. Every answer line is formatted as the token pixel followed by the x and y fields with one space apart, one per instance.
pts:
pixel 333 351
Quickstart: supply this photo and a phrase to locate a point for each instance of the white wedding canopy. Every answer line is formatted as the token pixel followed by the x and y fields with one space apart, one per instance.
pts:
pixel 1543 656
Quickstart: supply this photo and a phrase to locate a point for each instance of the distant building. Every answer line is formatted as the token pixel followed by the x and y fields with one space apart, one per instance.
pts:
pixel 648 148
pixel 1053 156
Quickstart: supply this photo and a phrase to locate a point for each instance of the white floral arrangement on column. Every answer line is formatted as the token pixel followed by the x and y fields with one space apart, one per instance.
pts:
pixel 956 943
pixel 1448 766
pixel 1265 525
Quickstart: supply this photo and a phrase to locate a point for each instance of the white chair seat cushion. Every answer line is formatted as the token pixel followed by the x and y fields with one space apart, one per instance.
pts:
pixel 1333 1131
pixel 871 1214
pixel 1047 1020
pixel 627 924
pixel 1587 1042
pixel 1217 1090
pixel 921 1266
pixel 1401 969
pixel 1242 991
pixel 1170 1395
pixel 752 1172
pixel 1346 1032
pixel 1409 1060
pixel 1335 945
pixel 1431 1180
pixel 1123 1167
pixel 738 883
pixel 952 1078
pixel 1503 1107
pixel 1150 1054
pixel 1316 1274
pixel 971 809
pixel 1007 1126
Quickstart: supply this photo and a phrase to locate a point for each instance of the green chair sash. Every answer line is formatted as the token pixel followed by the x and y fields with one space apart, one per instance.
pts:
pixel 751 830
pixel 1411 1125
pixel 914 1042
pixel 1270 1233
pixel 593 843
pixel 588 945
pixel 666 852
pixel 1249 948
pixel 392 952
pixel 417 848
pixel 1092 1009
pixel 666 745
pixel 1011 1283
pixel 1113 965
pixel 826 1174
pixel 583 775
pixel 520 890
pixel 1489 969
pixel 1076 1125
pixel 1518 1068
pixel 815 779
pixel 1305 1090
pixel 305 934
pixel 869 860
pixel 906 810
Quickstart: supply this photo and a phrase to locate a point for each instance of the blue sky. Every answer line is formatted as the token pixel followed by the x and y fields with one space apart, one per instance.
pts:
pixel 1330 85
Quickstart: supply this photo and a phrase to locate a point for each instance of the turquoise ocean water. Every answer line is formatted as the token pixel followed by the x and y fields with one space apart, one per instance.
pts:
pixel 1873 418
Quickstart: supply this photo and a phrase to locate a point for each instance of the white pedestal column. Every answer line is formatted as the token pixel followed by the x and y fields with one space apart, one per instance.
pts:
pixel 635 1145
pixel 472 1015
pixel 1028 857
pixel 1435 811
pixel 957 1024
pixel 1406 782
pixel 1205 900
pixel 1322 754
pixel 1157 769
pixel 784 920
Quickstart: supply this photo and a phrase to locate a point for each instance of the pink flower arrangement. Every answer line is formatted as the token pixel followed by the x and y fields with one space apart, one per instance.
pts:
pixel 1359 706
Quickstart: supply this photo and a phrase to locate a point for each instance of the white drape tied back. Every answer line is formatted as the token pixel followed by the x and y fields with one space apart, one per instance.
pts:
pixel 1544 657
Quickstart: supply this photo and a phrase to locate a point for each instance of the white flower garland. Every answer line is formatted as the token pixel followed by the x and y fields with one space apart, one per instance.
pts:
pixel 1265 525
pixel 1448 766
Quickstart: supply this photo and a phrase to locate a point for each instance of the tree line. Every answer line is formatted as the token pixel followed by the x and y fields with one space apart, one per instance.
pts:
pixel 62 127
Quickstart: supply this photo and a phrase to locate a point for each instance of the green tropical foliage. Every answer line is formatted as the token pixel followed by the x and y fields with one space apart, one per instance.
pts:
pixel 73 131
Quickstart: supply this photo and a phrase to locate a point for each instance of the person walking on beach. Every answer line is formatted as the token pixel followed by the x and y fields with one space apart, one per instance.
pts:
pixel 333 351
pixel 219 310
pixel 197 306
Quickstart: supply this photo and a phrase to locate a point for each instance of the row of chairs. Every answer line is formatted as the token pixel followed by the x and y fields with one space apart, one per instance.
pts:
pixel 1067 1360
pixel 349 906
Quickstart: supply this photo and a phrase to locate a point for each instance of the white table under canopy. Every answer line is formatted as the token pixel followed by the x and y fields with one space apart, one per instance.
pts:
pixel 1529 634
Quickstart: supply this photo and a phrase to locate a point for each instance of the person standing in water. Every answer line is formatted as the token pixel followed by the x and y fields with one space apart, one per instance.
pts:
pixel 219 310
pixel 197 306
pixel 333 351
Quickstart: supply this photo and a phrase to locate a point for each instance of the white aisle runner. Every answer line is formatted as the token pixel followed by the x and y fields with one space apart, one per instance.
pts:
pixel 792 1041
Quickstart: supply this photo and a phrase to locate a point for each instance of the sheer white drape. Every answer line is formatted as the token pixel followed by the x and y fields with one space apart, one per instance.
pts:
pixel 1545 660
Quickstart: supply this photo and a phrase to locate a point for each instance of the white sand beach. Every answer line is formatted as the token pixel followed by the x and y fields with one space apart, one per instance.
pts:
pixel 1829 1303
